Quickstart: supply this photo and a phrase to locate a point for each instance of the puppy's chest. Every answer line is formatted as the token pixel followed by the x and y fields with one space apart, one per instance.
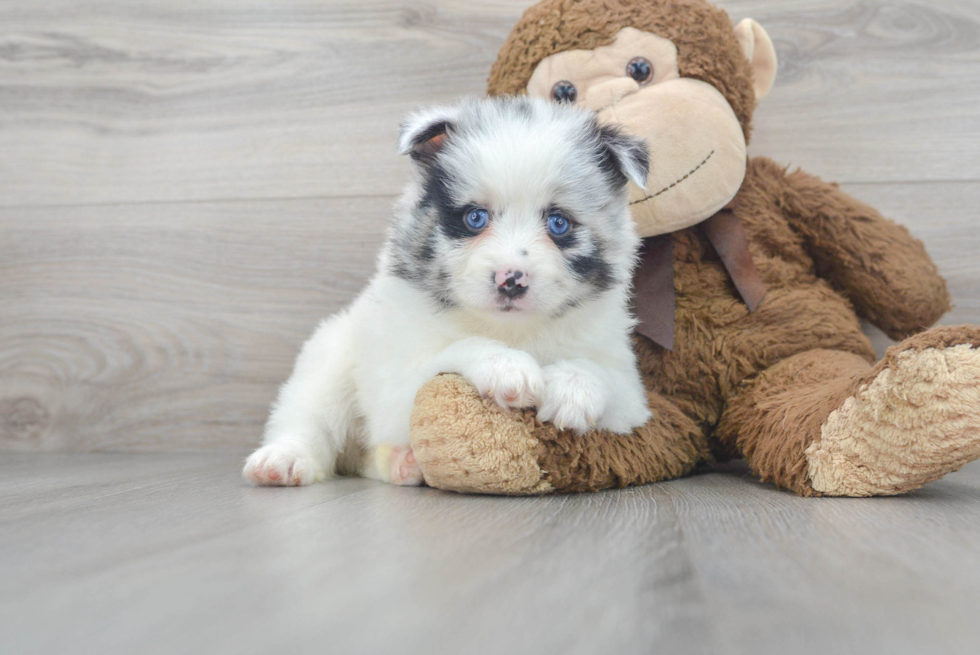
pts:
pixel 555 345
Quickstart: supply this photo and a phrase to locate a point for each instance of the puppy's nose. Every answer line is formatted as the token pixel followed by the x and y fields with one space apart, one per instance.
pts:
pixel 512 283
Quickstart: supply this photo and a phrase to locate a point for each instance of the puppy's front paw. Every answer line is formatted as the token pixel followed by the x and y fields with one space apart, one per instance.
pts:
pixel 280 465
pixel 574 398
pixel 511 377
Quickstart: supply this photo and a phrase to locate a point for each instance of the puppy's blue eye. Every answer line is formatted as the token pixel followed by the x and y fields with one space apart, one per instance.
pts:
pixel 558 224
pixel 476 219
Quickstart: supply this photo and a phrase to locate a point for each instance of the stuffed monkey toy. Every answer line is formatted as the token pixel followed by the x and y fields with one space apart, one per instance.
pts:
pixel 749 292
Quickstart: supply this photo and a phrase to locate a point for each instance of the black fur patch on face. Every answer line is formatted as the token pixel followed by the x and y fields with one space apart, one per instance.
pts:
pixel 565 241
pixel 436 197
pixel 427 252
pixel 442 294
pixel 415 254
pixel 567 307
pixel 400 269
pixel 421 274
pixel 593 269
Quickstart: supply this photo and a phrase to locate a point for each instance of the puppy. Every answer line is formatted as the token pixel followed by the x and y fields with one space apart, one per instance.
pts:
pixel 508 261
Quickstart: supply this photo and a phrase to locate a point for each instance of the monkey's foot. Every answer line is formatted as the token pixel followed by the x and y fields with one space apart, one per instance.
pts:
pixel 915 419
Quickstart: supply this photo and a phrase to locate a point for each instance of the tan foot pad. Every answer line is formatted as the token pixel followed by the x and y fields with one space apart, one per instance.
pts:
pixel 913 423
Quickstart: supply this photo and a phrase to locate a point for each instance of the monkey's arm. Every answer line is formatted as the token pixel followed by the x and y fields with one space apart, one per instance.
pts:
pixel 877 264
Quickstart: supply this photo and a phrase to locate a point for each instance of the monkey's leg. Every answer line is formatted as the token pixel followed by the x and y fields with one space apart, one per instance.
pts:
pixel 467 444
pixel 827 422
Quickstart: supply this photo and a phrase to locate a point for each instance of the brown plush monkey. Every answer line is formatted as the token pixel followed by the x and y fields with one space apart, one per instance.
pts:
pixel 761 275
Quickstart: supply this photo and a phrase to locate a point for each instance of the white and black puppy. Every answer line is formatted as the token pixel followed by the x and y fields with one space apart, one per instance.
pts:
pixel 508 261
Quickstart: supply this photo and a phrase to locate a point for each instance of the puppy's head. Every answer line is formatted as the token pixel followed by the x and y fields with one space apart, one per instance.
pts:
pixel 518 207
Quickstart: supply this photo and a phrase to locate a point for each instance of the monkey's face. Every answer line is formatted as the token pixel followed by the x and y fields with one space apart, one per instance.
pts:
pixel 697 147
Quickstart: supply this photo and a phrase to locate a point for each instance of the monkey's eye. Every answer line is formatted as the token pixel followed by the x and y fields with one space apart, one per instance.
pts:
pixel 564 91
pixel 476 218
pixel 640 69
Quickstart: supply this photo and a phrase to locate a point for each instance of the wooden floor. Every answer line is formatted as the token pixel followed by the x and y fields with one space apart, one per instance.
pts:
pixel 117 553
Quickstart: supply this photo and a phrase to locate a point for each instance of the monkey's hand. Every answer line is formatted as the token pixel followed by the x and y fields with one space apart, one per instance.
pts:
pixel 877 264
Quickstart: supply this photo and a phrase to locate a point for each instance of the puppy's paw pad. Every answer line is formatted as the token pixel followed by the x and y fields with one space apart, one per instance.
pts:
pixel 404 468
pixel 512 378
pixel 573 399
pixel 280 466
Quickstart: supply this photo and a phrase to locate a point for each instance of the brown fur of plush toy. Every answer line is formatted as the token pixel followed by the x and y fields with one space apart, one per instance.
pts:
pixel 793 387
pixel 707 49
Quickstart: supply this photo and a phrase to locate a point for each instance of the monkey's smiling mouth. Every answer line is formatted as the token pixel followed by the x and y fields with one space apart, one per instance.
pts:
pixel 671 186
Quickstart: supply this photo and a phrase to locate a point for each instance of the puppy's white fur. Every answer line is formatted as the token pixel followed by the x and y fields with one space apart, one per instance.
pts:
pixel 434 306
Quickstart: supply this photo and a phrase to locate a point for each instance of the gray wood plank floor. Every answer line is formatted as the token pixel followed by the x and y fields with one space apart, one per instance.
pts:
pixel 171 553
pixel 188 186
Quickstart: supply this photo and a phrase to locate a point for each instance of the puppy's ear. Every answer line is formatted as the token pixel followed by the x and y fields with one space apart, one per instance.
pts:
pixel 627 156
pixel 424 133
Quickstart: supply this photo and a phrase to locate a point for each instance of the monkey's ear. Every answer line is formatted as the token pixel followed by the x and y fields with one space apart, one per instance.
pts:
pixel 761 54
pixel 424 133
pixel 626 155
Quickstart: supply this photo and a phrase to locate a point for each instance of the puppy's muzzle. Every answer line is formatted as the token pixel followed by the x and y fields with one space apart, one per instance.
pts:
pixel 512 283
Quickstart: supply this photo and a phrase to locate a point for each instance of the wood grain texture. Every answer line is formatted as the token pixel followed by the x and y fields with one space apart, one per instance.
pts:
pixel 187 187
pixel 872 91
pixel 115 101
pixel 178 100
pixel 171 553
pixel 166 326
